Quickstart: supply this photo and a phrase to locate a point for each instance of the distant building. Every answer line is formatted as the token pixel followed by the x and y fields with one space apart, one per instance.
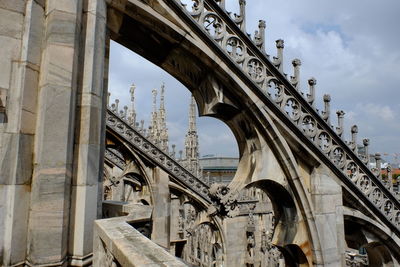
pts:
pixel 218 169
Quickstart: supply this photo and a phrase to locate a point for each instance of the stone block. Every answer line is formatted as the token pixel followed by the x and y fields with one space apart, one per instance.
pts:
pixel 98 7
pixel 33 42
pixel 83 213
pixel 57 66
pixel 14 210
pixel 11 23
pixel 51 189
pixel 91 118
pixel 29 95
pixel 16 152
pixel 94 55
pixel 66 6
pixel 325 203
pixel 55 122
pixel 330 246
pixel 61 28
pixel 88 165
pixel 48 236
pixel 10 49
pixel 13 5
pixel 28 122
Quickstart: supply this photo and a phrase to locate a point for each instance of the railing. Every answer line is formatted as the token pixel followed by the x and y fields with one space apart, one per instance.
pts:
pixel 153 153
pixel 250 58
pixel 117 243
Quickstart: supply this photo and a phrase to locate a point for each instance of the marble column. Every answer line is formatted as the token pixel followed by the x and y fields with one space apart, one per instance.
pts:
pixel 89 133
pixel 49 216
pixel 21 24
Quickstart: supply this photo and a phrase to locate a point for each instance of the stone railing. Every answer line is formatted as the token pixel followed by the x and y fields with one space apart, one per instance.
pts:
pixel 114 159
pixel 177 172
pixel 267 75
pixel 117 243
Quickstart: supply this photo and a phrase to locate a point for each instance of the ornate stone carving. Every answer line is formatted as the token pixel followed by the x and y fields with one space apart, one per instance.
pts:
pixel 246 52
pixel 136 139
pixel 224 201
pixel 204 246
pixel 354 259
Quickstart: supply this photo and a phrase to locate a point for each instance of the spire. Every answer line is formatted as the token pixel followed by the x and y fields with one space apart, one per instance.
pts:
pixel 192 142
pixel 131 111
pixel 162 105
pixel 154 121
pixel 192 116
pixel 162 125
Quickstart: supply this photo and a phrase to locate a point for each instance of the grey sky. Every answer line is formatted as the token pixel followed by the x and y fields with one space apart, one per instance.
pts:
pixel 351 47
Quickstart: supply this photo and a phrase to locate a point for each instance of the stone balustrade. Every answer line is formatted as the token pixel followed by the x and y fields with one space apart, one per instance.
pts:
pixel 268 76
pixel 117 243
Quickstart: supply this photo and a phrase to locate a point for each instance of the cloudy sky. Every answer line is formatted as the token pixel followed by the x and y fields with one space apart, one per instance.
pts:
pixel 352 48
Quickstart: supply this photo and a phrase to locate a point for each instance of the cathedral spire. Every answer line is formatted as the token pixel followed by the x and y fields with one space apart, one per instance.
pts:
pixel 192 142
pixel 192 116
pixel 132 112
pixel 162 124
pixel 154 118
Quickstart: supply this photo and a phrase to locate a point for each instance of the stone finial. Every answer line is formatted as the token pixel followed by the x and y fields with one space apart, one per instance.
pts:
pixel 366 152
pixel 311 96
pixel 180 154
pixel 142 125
pixel 340 116
pixel 259 36
pixel 173 151
pixel 108 98
pixel 389 177
pixel 240 19
pixel 222 4
pixel 124 113
pixel 295 79
pixel 114 106
pixel 353 144
pixel 278 60
pixel 327 109
pixel 131 111
pixel 378 164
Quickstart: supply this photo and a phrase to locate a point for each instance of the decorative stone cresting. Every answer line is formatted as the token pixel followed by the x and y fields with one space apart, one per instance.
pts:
pixel 119 124
pixel 250 57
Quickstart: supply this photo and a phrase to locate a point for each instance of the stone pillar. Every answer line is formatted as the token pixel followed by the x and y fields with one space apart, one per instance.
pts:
pixel 89 133
pixel 326 195
pixel 21 24
pixel 162 208
pixel 53 167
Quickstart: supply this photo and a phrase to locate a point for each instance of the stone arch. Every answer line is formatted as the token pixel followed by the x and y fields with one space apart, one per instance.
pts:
pixel 215 86
pixel 283 204
pixel 378 255
pixel 134 171
pixel 205 246
pixel 368 237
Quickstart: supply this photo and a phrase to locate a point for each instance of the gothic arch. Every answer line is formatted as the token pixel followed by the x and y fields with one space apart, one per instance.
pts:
pixel 215 87
pixel 365 234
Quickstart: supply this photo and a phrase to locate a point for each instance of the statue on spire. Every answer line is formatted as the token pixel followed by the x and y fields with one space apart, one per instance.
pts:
pixel 154 119
pixel 162 124
pixel 131 111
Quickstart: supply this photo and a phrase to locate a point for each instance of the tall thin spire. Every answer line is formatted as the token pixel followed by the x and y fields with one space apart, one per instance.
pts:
pixel 192 115
pixel 154 120
pixel 192 142
pixel 132 112
pixel 162 124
